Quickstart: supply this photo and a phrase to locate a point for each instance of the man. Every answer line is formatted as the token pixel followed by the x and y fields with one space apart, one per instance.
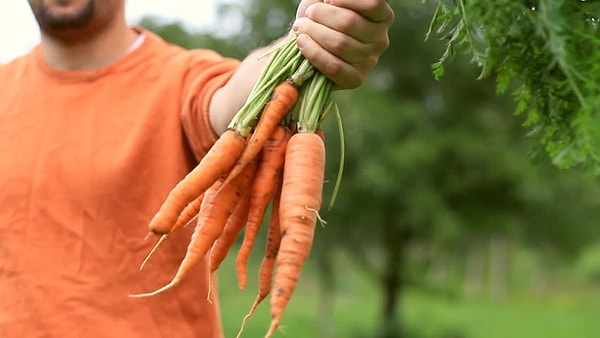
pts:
pixel 97 124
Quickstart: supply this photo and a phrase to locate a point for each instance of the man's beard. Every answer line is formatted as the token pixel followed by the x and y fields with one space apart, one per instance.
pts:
pixel 59 22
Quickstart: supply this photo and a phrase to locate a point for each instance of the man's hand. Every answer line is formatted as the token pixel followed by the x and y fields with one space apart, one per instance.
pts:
pixel 343 38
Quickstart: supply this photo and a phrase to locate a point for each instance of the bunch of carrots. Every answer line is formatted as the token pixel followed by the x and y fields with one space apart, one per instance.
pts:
pixel 273 153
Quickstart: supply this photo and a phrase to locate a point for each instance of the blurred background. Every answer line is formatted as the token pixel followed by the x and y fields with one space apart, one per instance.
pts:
pixel 447 225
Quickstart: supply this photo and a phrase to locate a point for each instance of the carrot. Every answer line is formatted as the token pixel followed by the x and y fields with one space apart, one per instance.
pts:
pixel 267 265
pixel 187 216
pixel 189 212
pixel 211 221
pixel 282 100
pixel 267 180
pixel 216 163
pixel 298 212
pixel 230 233
pixel 233 227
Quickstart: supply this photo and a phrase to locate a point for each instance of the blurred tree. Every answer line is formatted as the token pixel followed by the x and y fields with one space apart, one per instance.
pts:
pixel 177 33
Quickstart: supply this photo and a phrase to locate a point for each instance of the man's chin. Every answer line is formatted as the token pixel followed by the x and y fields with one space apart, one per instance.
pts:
pixel 67 17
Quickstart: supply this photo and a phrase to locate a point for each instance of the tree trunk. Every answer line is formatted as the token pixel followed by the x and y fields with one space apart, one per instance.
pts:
pixel 439 269
pixel 392 282
pixel 474 270
pixel 539 276
pixel 392 285
pixel 498 270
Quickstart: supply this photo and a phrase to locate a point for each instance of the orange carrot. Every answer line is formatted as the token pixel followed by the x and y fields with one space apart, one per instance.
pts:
pixel 232 229
pixel 187 216
pixel 298 212
pixel 189 212
pixel 268 178
pixel 216 163
pixel 267 265
pixel 211 220
pixel 282 100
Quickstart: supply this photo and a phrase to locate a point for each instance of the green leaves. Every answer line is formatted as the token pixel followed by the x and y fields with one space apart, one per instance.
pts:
pixel 547 53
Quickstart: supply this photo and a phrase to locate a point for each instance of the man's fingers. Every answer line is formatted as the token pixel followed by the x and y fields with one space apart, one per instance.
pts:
pixel 343 46
pixel 343 74
pixel 345 20
pixel 343 38
pixel 373 10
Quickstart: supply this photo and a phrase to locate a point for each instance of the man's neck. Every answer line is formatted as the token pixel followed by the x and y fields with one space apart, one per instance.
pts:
pixel 90 52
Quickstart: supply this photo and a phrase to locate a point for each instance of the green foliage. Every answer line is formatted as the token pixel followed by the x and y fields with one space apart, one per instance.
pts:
pixel 547 52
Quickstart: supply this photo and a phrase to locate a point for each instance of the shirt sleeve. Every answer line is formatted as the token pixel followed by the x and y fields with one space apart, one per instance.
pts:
pixel 208 73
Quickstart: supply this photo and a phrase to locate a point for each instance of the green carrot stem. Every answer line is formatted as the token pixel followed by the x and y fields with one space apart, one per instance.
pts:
pixel 338 180
pixel 283 63
pixel 314 101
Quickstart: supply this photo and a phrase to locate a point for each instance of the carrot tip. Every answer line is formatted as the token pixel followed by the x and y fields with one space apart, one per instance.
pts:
pixel 209 295
pixel 243 324
pixel 272 329
pixel 153 293
pixel 190 221
pixel 241 274
pixel 257 301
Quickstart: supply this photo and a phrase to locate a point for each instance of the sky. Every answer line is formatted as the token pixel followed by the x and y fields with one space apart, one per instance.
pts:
pixel 19 31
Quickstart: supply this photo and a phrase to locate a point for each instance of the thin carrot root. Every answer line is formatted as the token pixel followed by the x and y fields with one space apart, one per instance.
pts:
pixel 148 235
pixel 250 313
pixel 192 220
pixel 158 243
pixel 171 284
pixel 321 220
pixel 211 277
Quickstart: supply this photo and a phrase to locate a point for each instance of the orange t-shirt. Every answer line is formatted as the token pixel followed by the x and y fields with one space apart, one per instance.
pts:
pixel 86 160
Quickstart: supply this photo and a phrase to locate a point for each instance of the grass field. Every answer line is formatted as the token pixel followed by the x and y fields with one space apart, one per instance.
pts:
pixel 561 314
